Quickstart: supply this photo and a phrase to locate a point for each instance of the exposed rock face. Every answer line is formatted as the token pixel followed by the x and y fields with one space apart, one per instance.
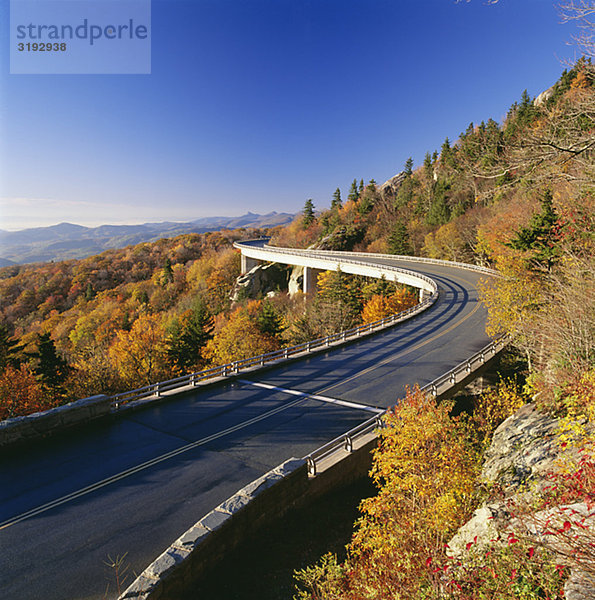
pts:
pixel 260 281
pixel 391 186
pixel 543 97
pixel 296 281
pixel 523 451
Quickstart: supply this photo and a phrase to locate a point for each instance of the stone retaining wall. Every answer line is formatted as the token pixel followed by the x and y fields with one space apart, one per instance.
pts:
pixel 263 501
pixel 30 427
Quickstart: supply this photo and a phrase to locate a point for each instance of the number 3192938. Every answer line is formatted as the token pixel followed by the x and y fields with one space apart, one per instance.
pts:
pixel 41 47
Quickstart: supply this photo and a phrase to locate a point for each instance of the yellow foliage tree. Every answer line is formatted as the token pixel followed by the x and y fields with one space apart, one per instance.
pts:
pixel 140 355
pixel 239 337
pixel 425 466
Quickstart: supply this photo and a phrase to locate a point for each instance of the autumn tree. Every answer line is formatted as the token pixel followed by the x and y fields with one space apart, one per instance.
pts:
pixel 425 468
pixel 140 355
pixel 379 306
pixel 239 337
pixel 21 393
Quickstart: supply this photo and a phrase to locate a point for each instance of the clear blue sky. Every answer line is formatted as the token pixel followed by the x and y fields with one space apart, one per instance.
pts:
pixel 260 104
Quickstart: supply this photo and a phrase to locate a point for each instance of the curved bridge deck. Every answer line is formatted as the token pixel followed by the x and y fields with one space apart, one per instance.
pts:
pixel 133 484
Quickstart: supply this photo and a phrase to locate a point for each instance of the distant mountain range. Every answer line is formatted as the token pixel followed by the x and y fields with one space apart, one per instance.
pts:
pixel 66 241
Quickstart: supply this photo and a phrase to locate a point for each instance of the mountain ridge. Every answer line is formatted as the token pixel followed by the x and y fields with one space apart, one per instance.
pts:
pixel 65 240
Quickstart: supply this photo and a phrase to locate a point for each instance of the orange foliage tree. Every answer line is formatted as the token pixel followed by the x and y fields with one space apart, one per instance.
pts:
pixel 378 306
pixel 22 394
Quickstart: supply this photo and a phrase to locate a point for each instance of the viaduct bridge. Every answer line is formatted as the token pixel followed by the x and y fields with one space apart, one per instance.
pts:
pixel 134 481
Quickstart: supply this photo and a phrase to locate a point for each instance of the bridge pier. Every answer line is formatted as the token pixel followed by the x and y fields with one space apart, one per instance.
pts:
pixel 247 264
pixel 310 284
pixel 423 294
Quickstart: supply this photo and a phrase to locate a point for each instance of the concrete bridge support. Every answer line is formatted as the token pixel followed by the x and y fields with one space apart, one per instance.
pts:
pixel 248 263
pixel 310 280
pixel 423 294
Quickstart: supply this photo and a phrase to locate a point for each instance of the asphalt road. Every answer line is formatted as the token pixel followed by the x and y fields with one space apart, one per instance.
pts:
pixel 132 485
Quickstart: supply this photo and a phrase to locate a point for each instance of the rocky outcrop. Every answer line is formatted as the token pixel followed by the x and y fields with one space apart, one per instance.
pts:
pixel 391 186
pixel 260 281
pixel 543 97
pixel 523 451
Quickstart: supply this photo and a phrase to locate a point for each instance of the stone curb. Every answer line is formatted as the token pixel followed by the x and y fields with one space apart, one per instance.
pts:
pixel 30 427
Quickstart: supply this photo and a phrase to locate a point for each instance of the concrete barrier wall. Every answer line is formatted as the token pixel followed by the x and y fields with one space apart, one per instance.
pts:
pixel 263 501
pixel 30 427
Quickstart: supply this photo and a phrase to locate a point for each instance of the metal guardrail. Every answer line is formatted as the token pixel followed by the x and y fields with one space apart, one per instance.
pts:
pixel 437 387
pixel 156 390
pixel 420 259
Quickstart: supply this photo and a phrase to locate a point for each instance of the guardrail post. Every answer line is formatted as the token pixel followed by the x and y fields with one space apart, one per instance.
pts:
pixel 235 367
pixel 434 390
pixel 468 367
pixel 157 390
pixel 308 346
pixel 285 353
pixel 348 443
pixel 311 467
pixel 262 361
pixel 452 378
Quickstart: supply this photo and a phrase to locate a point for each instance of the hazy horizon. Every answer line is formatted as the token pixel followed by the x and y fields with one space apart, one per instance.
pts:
pixel 138 221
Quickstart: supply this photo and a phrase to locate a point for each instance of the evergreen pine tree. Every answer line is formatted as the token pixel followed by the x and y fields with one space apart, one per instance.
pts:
pixel 90 292
pixel 10 349
pixel 50 369
pixel 308 213
pixel 167 273
pixel 270 321
pixel 540 236
pixel 353 193
pixel 336 201
pixel 398 240
pixel 188 336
